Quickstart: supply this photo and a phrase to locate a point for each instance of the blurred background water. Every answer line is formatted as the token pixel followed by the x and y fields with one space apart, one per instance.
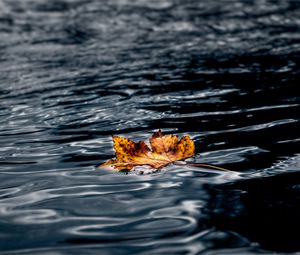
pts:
pixel 74 72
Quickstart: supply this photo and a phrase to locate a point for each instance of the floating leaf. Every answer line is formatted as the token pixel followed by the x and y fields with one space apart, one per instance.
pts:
pixel 164 149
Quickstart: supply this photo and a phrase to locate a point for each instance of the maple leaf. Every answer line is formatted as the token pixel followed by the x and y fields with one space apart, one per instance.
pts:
pixel 165 149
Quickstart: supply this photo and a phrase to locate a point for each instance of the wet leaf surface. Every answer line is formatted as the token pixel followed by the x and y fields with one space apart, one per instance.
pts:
pixel 164 150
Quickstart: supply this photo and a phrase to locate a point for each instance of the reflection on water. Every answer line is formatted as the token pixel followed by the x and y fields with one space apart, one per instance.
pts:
pixel 72 73
pixel 264 210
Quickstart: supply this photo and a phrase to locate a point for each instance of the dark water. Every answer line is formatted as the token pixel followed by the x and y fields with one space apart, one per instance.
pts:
pixel 74 72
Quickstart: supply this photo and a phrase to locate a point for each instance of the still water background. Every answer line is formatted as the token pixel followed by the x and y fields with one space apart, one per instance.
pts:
pixel 72 73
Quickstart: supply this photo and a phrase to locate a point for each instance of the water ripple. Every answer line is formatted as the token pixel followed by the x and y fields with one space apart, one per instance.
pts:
pixel 75 72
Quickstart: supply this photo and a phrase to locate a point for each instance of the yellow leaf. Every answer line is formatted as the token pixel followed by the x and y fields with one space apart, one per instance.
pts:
pixel 165 149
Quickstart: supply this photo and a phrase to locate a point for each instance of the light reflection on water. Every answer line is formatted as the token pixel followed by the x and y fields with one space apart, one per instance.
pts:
pixel 75 72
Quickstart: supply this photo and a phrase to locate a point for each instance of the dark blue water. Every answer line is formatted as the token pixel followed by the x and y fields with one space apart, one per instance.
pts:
pixel 74 72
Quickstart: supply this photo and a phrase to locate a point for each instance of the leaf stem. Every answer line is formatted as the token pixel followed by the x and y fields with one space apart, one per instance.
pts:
pixel 202 165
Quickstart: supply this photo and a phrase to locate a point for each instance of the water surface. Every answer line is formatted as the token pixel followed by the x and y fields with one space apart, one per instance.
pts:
pixel 72 73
